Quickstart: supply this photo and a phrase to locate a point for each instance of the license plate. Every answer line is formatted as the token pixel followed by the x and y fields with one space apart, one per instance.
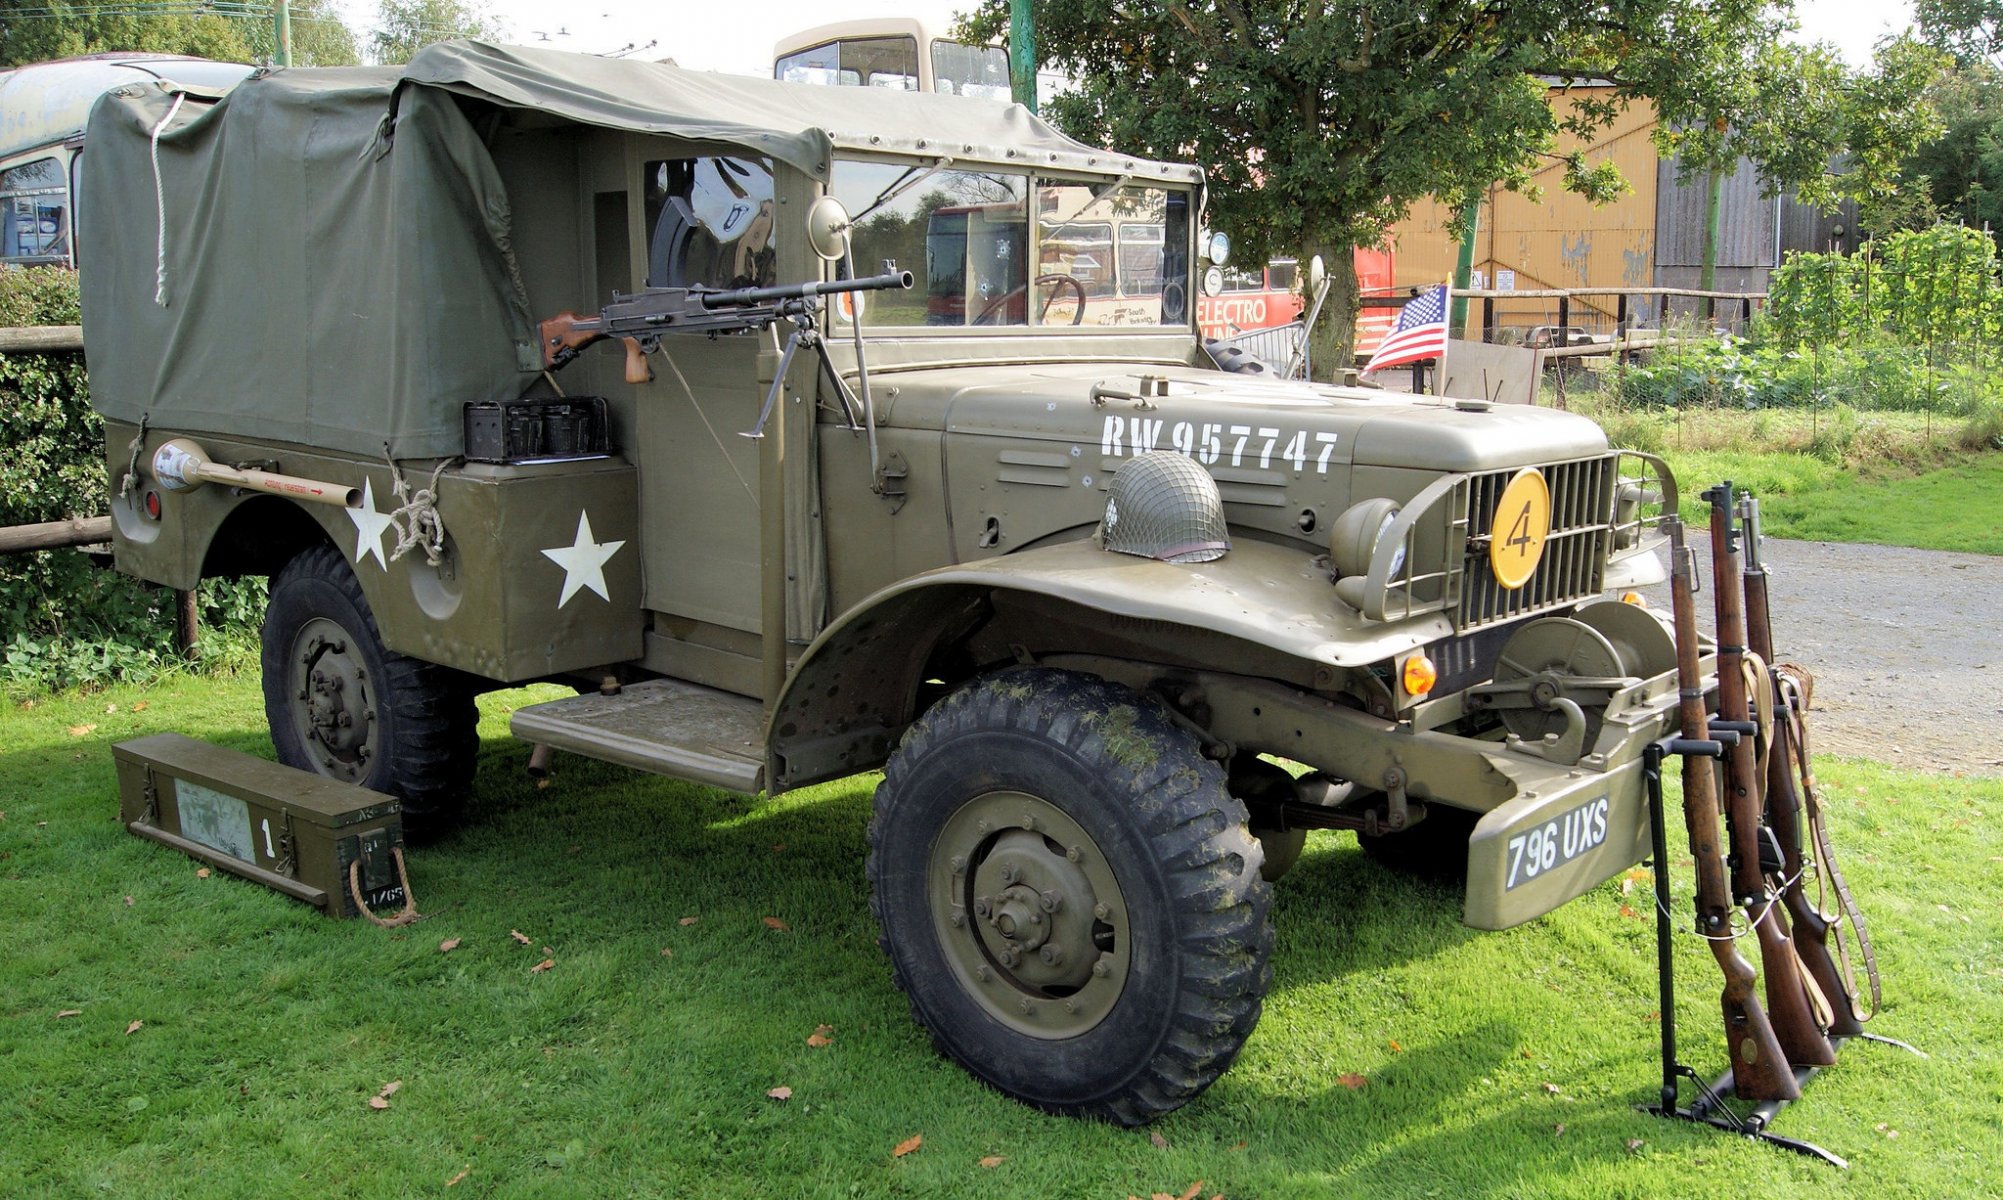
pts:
pixel 1545 848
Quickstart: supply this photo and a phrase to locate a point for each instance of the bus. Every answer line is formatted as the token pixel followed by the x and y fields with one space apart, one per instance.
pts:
pixel 43 108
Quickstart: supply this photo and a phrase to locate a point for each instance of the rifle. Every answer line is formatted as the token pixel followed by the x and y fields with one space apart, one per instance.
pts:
pixel 1760 1070
pixel 1794 1019
pixel 640 319
pixel 1812 926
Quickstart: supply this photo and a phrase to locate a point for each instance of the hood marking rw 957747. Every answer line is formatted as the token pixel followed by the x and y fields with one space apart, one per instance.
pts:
pixel 1210 441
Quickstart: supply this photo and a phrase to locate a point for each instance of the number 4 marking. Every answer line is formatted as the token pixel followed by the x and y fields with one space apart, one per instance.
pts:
pixel 1519 532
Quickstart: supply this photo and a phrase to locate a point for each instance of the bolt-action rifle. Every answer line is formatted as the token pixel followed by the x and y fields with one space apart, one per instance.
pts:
pixel 1794 1016
pixel 1760 1070
pixel 1812 926
pixel 640 320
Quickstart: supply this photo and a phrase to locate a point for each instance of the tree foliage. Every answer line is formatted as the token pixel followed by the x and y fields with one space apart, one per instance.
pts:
pixel 403 27
pixel 1320 125
pixel 38 30
pixel 1968 29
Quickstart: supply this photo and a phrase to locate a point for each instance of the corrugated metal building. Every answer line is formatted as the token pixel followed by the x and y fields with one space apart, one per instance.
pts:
pixel 1651 237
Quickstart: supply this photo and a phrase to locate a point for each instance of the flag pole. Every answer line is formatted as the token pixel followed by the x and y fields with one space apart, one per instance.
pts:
pixel 1446 312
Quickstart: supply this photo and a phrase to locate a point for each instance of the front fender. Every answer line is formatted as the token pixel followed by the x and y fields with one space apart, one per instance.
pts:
pixel 1262 609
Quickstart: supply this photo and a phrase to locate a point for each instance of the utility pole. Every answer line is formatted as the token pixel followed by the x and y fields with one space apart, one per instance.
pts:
pixel 281 32
pixel 1022 53
pixel 1464 268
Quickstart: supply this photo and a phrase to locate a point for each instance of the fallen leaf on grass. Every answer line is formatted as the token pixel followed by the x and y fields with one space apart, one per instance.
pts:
pixel 548 950
pixel 380 1100
pixel 1240 1146
pixel 542 966
pixel 128 902
pixel 780 1093
pixel 201 873
pixel 1887 1130
pixel 140 706
pixel 776 923
pixel 1192 1191
pixel 1628 912
pixel 448 945
pixel 908 1144
pixel 453 1182
pixel 1160 1142
pixel 1558 1130
pixel 1634 1145
pixel 69 1012
pixel 1352 1081
pixel 521 937
pixel 778 847
pixel 821 1036
pixel 991 1161
pixel 688 920
pixel 1551 1087
pixel 82 730
pixel 667 953
pixel 133 1028
pixel 378 1103
pixel 1395 1047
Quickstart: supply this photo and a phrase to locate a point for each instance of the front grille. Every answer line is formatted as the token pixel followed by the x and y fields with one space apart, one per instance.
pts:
pixel 1573 566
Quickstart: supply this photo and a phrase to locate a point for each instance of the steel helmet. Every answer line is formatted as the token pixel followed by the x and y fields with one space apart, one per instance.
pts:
pixel 1163 505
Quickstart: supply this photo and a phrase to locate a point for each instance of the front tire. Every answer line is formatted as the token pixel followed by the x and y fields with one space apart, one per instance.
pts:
pixel 343 706
pixel 1070 896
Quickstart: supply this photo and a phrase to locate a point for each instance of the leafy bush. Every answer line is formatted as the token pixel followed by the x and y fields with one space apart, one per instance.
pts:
pixel 1933 287
pixel 64 620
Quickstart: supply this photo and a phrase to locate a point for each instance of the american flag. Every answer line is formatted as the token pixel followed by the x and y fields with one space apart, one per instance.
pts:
pixel 1421 332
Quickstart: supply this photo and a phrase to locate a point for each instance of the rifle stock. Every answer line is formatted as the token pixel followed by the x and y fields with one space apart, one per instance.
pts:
pixel 1760 1069
pixel 1812 927
pixel 1793 1014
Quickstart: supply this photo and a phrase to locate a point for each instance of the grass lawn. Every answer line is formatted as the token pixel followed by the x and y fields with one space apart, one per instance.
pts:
pixel 1491 1064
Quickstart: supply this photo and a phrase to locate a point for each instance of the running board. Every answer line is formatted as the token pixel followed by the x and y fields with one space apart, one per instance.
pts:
pixel 663 726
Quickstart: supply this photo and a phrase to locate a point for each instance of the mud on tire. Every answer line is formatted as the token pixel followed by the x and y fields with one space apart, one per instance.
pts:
pixel 341 705
pixel 1069 896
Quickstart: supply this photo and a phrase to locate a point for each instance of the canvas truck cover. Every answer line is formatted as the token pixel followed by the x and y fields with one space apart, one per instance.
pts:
pixel 326 258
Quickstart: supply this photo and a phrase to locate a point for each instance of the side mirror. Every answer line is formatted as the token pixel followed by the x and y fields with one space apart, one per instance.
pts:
pixel 1213 281
pixel 827 228
pixel 1317 275
pixel 1217 248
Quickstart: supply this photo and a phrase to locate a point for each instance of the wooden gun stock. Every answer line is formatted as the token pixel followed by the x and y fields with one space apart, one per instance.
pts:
pixel 1812 927
pixel 1760 1069
pixel 1794 1019
pixel 565 335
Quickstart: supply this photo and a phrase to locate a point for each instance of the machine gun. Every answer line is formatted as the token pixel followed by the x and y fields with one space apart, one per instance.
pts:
pixel 1793 1010
pixel 639 320
pixel 1760 1069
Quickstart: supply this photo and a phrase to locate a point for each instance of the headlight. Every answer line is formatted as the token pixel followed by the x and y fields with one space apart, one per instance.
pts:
pixel 1352 542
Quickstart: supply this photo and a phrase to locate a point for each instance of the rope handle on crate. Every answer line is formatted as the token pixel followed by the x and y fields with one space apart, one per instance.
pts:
pixel 409 912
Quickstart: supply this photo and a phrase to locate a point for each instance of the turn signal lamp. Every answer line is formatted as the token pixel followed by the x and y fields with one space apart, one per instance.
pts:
pixel 1420 675
pixel 153 504
pixel 1634 598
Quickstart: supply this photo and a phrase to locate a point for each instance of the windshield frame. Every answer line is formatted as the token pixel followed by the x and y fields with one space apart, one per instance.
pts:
pixel 1034 178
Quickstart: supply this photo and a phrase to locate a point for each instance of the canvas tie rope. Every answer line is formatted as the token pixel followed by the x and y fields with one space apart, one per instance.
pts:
pixel 160 206
pixel 131 480
pixel 404 917
pixel 416 519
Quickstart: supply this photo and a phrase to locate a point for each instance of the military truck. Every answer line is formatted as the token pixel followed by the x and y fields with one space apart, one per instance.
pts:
pixel 469 359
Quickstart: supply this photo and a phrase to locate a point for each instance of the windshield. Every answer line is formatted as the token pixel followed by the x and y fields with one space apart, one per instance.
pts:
pixel 998 248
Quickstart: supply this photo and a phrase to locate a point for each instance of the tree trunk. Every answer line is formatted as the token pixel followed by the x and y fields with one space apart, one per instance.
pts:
pixel 1332 342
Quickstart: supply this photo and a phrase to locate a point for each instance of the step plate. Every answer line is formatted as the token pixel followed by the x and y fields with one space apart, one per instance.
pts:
pixel 662 726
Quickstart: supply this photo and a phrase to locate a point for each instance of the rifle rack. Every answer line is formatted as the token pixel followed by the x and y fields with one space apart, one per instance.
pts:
pixel 1709 1107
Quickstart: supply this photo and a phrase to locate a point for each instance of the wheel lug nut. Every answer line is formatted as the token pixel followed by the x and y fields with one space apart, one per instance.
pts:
pixel 1027 1007
pixel 1075 854
pixel 982 907
pixel 1050 900
pixel 981 826
pixel 1028 822
pixel 959 919
pixel 982 974
pixel 1007 958
pixel 1101 969
pixel 1101 912
pixel 1052 954
pixel 1010 873
pixel 959 864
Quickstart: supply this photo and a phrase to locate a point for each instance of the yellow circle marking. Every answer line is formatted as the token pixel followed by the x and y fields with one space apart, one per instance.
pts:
pixel 1516 536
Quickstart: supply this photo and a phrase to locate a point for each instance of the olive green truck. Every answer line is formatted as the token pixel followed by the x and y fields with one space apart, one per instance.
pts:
pixel 513 366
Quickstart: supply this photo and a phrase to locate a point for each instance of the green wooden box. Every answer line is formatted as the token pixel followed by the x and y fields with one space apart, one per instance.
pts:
pixel 291 830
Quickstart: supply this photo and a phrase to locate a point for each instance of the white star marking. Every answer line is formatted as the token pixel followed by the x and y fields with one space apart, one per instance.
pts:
pixel 369 527
pixel 583 562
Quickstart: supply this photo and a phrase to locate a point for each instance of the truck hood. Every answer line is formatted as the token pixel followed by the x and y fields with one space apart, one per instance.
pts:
pixel 1254 422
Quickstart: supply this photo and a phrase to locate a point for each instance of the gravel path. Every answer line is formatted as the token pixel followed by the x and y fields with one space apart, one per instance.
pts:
pixel 1906 647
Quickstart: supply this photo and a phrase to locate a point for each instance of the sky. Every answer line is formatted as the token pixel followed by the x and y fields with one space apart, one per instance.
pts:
pixel 713 36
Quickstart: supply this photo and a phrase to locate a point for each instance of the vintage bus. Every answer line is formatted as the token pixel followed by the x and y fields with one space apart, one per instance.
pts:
pixel 43 108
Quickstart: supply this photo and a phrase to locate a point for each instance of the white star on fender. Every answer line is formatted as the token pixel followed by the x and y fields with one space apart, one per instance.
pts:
pixel 369 527
pixel 583 562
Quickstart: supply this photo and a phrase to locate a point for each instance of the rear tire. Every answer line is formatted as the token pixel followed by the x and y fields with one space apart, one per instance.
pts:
pixel 341 705
pixel 1069 896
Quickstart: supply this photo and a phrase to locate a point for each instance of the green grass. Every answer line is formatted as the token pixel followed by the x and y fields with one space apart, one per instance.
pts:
pixel 1957 507
pixel 624 1071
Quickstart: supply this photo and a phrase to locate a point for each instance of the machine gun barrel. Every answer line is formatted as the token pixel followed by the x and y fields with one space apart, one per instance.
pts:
pixel 742 297
pixel 1760 1070
pixel 1812 927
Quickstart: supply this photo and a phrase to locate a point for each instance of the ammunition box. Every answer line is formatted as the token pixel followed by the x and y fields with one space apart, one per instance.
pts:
pixel 290 830
pixel 524 431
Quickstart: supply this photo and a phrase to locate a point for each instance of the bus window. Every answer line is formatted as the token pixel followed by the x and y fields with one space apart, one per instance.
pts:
pixel 709 222
pixel 885 62
pixel 963 70
pixel 34 213
pixel 1150 228
pixel 1082 250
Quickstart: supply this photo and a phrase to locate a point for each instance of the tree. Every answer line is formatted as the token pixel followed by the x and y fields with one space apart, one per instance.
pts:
pixel 38 30
pixel 1320 125
pixel 1962 169
pixel 1968 29
pixel 406 26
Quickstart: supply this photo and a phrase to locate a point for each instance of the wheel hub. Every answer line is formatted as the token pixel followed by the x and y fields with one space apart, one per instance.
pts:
pixel 1031 918
pixel 333 711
